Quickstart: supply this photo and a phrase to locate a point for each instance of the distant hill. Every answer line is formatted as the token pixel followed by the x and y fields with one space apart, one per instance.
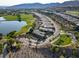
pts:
pixel 2 7
pixel 42 6
pixel 34 5
pixel 28 6
pixel 70 3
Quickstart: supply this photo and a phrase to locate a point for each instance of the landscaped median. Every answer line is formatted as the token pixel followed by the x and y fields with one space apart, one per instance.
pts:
pixel 63 40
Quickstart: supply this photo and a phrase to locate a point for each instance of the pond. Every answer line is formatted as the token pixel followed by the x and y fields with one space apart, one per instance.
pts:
pixel 9 26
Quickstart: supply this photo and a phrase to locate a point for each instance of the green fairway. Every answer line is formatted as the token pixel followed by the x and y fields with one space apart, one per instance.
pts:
pixel 63 40
pixel 24 17
pixel 73 13
pixel 28 18
pixel 10 18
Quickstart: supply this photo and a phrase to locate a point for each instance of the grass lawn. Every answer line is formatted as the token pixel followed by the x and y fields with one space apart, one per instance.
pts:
pixel 24 17
pixel 10 17
pixel 63 40
pixel 24 29
pixel 28 18
pixel 73 13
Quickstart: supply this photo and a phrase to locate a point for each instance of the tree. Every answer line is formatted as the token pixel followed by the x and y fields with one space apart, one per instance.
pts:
pixel 19 17
pixel 11 34
pixel 1 35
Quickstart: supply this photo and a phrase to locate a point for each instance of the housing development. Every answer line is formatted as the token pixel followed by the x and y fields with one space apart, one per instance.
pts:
pixel 38 30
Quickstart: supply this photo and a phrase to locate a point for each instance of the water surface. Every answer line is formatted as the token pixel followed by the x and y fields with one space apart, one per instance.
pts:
pixel 9 26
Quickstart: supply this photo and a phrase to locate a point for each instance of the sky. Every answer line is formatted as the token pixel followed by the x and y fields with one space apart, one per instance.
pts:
pixel 16 2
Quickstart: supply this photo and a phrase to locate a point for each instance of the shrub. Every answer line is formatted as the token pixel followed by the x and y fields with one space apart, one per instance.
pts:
pixel 1 47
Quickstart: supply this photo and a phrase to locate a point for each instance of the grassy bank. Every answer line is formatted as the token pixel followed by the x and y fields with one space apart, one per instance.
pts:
pixel 10 18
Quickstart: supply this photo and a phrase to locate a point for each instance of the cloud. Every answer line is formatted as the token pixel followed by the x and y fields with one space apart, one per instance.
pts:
pixel 14 2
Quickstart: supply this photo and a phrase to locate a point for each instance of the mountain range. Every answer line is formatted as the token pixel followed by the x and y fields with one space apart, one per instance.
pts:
pixel 2 7
pixel 42 6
